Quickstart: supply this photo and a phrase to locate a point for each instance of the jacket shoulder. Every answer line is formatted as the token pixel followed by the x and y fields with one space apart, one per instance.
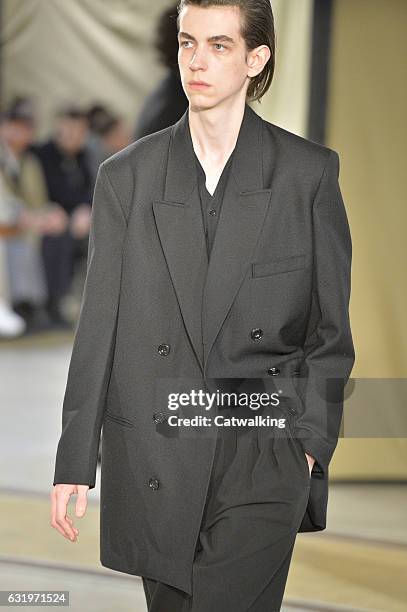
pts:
pixel 141 148
pixel 125 170
pixel 299 149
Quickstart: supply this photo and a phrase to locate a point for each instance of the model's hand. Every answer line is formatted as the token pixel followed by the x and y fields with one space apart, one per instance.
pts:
pixel 60 496
pixel 311 461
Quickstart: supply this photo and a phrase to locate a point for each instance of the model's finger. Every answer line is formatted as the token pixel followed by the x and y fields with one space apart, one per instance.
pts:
pixel 62 532
pixel 62 503
pixel 70 521
pixel 54 523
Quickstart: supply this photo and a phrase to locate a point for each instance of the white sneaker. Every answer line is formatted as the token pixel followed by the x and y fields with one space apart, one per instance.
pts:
pixel 11 324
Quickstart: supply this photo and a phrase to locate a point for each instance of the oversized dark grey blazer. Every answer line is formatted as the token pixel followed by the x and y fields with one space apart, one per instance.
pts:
pixel 156 316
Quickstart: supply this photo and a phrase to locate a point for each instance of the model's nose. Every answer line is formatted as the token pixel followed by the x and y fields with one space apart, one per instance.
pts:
pixel 198 61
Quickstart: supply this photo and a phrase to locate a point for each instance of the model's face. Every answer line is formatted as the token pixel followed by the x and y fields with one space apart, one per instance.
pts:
pixel 211 50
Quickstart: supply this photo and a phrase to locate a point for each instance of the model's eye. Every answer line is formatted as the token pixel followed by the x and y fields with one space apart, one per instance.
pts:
pixel 217 45
pixel 185 42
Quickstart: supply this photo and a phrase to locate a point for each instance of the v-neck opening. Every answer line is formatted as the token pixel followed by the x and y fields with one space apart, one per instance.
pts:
pixel 209 194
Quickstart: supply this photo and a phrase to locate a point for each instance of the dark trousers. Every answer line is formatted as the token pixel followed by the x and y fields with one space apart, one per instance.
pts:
pixel 257 496
pixel 59 255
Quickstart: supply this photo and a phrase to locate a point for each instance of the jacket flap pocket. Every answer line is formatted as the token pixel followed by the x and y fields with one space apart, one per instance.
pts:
pixel 117 419
pixel 275 266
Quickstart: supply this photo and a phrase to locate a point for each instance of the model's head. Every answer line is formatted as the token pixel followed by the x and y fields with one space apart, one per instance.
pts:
pixel 228 44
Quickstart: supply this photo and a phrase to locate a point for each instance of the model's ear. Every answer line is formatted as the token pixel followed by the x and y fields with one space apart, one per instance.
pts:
pixel 256 60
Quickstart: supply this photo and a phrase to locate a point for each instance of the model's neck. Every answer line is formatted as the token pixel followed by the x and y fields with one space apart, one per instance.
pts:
pixel 214 131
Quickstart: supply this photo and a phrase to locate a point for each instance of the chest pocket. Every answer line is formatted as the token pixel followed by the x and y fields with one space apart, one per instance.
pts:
pixel 278 266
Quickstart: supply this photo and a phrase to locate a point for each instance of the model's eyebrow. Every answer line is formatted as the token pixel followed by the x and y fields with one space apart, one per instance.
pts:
pixel 217 38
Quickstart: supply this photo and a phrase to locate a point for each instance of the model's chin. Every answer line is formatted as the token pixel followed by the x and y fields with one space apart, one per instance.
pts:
pixel 199 95
pixel 197 101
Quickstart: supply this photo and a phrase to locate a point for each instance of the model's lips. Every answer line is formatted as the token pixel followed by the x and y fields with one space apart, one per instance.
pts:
pixel 198 84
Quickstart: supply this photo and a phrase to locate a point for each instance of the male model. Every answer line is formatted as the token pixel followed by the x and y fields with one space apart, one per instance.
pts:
pixel 219 258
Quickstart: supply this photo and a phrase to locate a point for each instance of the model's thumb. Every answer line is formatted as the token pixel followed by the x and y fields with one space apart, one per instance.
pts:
pixel 81 500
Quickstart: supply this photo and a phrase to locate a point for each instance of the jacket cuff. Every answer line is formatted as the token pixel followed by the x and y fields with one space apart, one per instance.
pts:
pixel 91 485
pixel 317 447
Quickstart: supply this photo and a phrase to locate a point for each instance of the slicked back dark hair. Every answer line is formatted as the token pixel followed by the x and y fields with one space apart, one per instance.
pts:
pixel 257 28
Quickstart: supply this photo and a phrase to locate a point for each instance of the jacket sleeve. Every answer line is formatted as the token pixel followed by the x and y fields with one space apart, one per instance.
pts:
pixel 94 340
pixel 329 350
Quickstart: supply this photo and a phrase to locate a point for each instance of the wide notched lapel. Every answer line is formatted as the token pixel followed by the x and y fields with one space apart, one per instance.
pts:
pixel 206 290
pixel 180 226
pixel 244 208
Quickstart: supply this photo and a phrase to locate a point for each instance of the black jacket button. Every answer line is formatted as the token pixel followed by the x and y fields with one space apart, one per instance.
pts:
pixel 212 212
pixel 164 349
pixel 256 334
pixel 273 371
pixel 154 483
pixel 292 410
pixel 158 417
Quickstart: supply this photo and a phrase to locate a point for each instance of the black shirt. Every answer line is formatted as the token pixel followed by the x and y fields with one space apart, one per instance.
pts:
pixel 211 205
pixel 68 177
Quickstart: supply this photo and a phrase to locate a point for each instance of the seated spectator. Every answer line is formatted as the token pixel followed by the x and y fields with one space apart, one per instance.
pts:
pixel 11 324
pixel 107 135
pixel 69 183
pixel 23 206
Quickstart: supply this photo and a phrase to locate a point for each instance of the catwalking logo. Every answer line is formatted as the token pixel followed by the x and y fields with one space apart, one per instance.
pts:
pixel 221 399
pixel 222 421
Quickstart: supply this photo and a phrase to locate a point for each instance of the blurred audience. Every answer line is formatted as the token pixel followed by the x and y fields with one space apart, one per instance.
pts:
pixel 46 191
pixel 108 134
pixel 167 102
pixel 24 216
pixel 11 324
pixel 69 184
